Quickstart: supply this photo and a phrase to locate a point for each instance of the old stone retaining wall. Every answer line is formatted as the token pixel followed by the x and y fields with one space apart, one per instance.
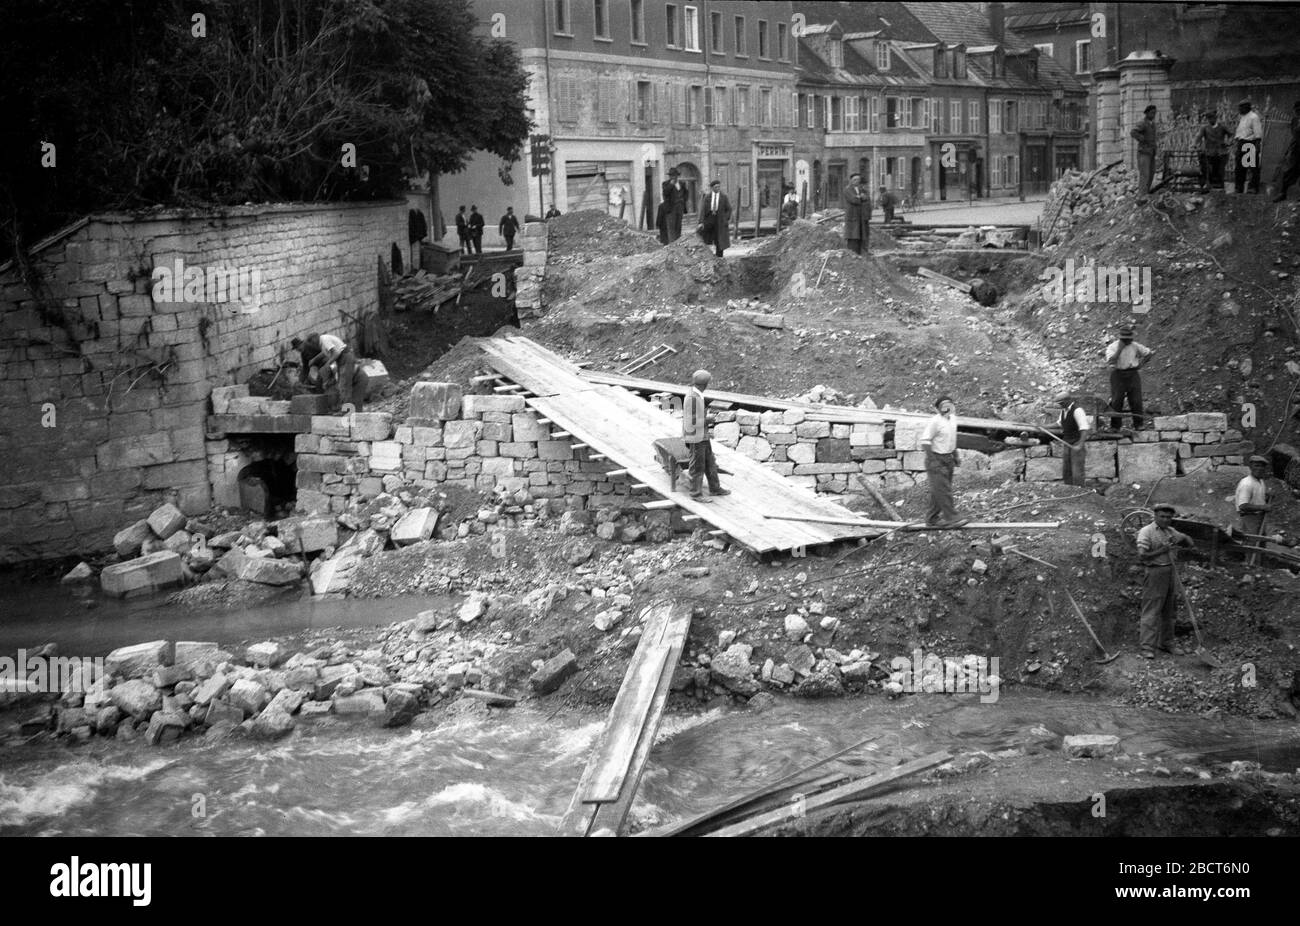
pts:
pixel 104 387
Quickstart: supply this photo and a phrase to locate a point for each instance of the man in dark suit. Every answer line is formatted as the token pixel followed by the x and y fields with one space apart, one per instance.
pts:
pixel 508 227
pixel 674 195
pixel 857 215
pixel 462 230
pixel 476 224
pixel 715 216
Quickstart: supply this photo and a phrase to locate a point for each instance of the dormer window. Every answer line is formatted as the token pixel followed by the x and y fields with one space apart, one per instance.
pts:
pixel 882 56
pixel 835 52
pixel 940 62
pixel 959 63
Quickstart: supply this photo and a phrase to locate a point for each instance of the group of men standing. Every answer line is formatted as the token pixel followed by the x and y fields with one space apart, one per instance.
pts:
pixel 714 214
pixel 469 229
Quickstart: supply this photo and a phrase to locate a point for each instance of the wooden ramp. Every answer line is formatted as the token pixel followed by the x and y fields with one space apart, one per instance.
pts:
pixel 621 427
pixel 608 784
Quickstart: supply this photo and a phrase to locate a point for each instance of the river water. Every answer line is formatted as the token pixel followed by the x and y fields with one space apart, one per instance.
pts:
pixel 513 771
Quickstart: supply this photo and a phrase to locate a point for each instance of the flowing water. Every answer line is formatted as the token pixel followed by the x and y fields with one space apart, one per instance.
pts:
pixel 513 771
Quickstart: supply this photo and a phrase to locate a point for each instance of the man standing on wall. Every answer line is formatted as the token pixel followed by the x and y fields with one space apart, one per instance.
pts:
pixel 674 196
pixel 1074 431
pixel 939 441
pixel 1125 358
pixel 1145 135
pixel 1155 544
pixel 476 224
pixel 857 216
pixel 1248 139
pixel 715 216
pixel 462 230
pixel 508 227
pixel 695 434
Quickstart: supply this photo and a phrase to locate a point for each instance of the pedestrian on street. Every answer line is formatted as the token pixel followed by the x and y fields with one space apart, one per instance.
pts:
pixel 1125 358
pixel 1155 544
pixel 1248 139
pixel 1145 135
pixel 1074 431
pixel 715 216
pixel 695 434
pixel 508 227
pixel 1252 500
pixel 334 365
pixel 857 216
pixel 476 224
pixel 789 205
pixel 939 441
pixel 887 203
pixel 674 204
pixel 462 230
pixel 1291 160
pixel 1212 141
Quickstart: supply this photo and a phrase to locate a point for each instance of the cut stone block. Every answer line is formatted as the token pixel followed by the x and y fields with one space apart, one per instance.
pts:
pixel 907 435
pixel 127 541
pixel 1207 421
pixel 266 571
pixel 435 400
pixel 377 378
pixel 415 526
pixel 371 426
pixel 1146 462
pixel 309 404
pixel 461 434
pixel 166 520
pixel 308 534
pixel 472 405
pixel 1170 423
pixel 1091 746
pixel 553 672
pixel 222 395
pixel 139 658
pixel 157 570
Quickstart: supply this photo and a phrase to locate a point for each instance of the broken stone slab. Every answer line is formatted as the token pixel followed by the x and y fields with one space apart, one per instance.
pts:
pixel 139 659
pixel 553 672
pixel 415 526
pixel 605 621
pixel 400 707
pixel 146 573
pixel 473 608
pixel 79 573
pixel 248 695
pixel 166 520
pixel 436 400
pixel 128 540
pixel 286 701
pixel 733 670
pixel 365 701
pixel 1091 746
pixel 307 534
pixel 199 659
pixel 137 698
pixel 211 689
pixel 269 571
pixel 801 659
pixel 266 655
pixel 166 727
pixel 272 725
pixel 334 575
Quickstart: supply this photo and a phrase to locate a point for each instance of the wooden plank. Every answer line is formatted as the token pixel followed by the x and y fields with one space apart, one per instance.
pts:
pixel 973 525
pixel 854 790
pixel 880 498
pixel 945 280
pixel 657 505
pixel 631 707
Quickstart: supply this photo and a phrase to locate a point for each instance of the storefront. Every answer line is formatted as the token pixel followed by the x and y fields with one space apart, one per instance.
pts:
pixel 775 160
pixel 957 169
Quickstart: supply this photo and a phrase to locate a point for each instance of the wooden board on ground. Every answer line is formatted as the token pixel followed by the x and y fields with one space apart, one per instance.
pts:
pixel 919 526
pixel 541 371
pixel 633 723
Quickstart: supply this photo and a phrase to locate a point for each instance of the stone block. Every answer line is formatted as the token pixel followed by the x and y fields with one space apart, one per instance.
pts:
pixel 526 427
pixel 756 448
pixel 308 534
pixel 517 450
pixel 415 526
pixel 309 404
pixel 147 573
pixel 1042 469
pixel 914 461
pixel 1143 463
pixel 127 541
pixel 554 450
pixel 435 400
pixel 266 655
pixel 222 395
pixel 472 405
pixel 266 571
pixel 426 437
pixel 727 434
pixel 371 426
pixel 166 520
pixel 461 434
pixel 831 450
pixel 802 452
pixel 1100 463
pixel 813 430
pixel 1170 423
pixel 823 469
pixel 250 405
pixel 1239 448
pixel 553 672
pixel 1091 746
pixel 139 659
pixel 1207 421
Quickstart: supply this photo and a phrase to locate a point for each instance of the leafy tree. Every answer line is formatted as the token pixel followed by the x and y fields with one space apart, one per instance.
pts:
pixel 144 112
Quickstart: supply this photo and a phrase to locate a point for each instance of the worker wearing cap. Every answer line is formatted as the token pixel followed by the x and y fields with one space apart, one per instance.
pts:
pixel 333 361
pixel 1253 503
pixel 1155 545
pixel 1248 139
pixel 695 434
pixel 1074 432
pixel 1125 358
pixel 939 441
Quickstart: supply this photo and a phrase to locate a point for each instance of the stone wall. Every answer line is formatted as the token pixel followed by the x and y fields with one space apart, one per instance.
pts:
pixel 104 387
pixel 485 442
pixel 528 278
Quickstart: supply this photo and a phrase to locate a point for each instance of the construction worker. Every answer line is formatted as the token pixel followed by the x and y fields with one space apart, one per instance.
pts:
pixel 1155 544
pixel 939 441
pixel 1253 503
pixel 1074 431
pixel 695 434
pixel 334 365
pixel 1146 136
pixel 1125 358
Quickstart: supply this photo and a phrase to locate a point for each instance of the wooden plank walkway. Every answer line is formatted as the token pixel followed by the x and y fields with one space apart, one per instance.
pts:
pixel 622 427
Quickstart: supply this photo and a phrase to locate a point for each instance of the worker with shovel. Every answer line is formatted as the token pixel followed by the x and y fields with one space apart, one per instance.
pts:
pixel 1155 544
pixel 1252 500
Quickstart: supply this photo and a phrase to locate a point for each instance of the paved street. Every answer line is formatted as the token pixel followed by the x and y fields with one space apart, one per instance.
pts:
pixel 981 212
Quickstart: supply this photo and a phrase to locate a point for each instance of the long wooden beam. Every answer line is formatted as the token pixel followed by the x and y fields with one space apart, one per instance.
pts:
pixel 973 525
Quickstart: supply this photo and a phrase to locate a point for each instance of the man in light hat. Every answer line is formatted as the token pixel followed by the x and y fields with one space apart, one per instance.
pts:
pixel 1074 431
pixel 1248 140
pixel 1125 357
pixel 939 441
pixel 674 193
pixel 1155 545
pixel 715 216
pixel 695 434
pixel 1252 500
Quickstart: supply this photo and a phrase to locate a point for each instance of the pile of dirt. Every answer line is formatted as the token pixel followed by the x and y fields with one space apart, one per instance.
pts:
pixel 592 236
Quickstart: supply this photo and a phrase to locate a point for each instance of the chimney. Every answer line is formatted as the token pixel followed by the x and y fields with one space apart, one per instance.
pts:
pixel 997 23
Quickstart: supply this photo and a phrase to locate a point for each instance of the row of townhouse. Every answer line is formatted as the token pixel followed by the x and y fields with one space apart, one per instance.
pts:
pixel 763 94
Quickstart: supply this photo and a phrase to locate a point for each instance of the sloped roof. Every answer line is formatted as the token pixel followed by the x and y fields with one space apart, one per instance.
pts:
pixel 1041 15
pixel 857 70
pixel 891 18
pixel 960 23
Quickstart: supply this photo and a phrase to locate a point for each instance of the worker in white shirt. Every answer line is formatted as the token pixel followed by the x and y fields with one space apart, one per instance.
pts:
pixel 1248 140
pixel 1074 431
pixel 335 365
pixel 1125 357
pixel 1252 500
pixel 939 441
pixel 695 434
pixel 1155 545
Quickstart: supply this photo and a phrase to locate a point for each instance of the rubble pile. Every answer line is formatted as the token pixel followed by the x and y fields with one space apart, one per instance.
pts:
pixel 1079 195
pixel 593 237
